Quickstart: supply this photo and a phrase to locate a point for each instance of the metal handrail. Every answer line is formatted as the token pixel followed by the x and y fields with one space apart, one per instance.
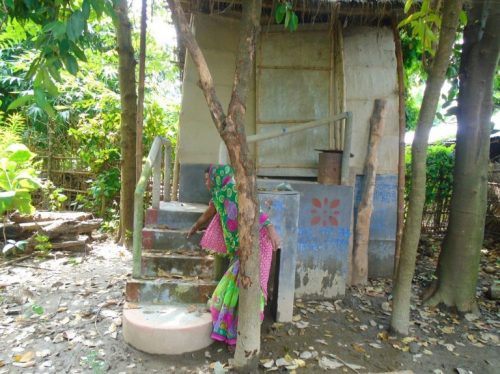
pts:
pixel 285 131
pixel 151 166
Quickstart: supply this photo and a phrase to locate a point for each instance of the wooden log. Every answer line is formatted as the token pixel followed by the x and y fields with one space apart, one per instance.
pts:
pixel 70 245
pixel 58 228
pixel 362 230
pixel 19 231
pixel 50 216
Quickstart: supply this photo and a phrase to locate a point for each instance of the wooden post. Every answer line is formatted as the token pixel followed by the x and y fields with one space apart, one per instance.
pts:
pixel 339 75
pixel 167 167
pixel 157 179
pixel 362 231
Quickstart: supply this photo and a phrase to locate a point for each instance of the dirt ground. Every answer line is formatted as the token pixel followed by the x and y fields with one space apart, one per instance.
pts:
pixel 62 314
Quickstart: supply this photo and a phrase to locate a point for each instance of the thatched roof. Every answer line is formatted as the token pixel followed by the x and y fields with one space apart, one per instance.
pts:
pixel 349 12
pixel 309 11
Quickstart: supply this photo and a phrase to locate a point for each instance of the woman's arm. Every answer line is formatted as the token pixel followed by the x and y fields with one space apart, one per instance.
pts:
pixel 204 218
pixel 273 236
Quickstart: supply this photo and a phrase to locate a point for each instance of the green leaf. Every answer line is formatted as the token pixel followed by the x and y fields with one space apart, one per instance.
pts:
pixel 19 153
pixel 75 25
pixel 71 64
pixel 38 309
pixel 64 47
pixel 294 22
pixel 27 181
pixel 22 202
pixel 410 18
pixel 463 17
pixel 42 102
pixel 86 9
pixel 408 5
pixel 21 244
pixel 6 200
pixel 287 17
pixel 7 248
pixel 57 28
pixel 279 13
pixel 78 52
pixel 48 84
pixel 20 101
pixel 98 6
pixel 9 3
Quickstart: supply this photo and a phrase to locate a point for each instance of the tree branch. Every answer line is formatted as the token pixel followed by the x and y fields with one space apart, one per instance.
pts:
pixel 206 81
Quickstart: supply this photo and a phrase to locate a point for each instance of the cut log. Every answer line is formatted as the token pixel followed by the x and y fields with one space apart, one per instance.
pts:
pixel 50 216
pixel 71 245
pixel 59 227
pixel 19 231
pixel 362 230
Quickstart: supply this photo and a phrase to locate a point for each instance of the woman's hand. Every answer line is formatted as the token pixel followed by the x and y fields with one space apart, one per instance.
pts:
pixel 193 230
pixel 274 237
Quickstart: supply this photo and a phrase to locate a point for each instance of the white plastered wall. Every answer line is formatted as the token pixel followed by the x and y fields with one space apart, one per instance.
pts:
pixel 370 68
pixel 218 39
pixel 370 71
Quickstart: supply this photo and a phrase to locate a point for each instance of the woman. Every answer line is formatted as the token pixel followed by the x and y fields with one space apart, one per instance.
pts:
pixel 221 237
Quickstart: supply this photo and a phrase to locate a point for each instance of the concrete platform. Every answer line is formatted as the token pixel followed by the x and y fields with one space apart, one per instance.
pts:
pixel 167 329
pixel 175 215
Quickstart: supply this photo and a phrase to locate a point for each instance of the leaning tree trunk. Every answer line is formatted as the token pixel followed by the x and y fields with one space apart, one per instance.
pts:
pixel 128 99
pixel 232 130
pixel 139 148
pixel 402 289
pixel 458 266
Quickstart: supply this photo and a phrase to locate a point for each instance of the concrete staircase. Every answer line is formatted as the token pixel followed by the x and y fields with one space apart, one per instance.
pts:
pixel 165 310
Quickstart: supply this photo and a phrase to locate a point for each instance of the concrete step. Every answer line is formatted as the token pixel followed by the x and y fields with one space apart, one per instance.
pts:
pixel 166 291
pixel 175 215
pixel 186 263
pixel 161 238
pixel 167 329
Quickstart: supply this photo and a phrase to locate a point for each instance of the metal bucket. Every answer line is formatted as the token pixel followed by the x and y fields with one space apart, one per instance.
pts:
pixel 330 165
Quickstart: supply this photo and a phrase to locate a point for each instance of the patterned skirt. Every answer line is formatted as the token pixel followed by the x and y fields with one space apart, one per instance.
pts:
pixel 224 301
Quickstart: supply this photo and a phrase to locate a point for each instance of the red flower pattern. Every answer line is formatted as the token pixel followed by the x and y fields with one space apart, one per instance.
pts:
pixel 324 212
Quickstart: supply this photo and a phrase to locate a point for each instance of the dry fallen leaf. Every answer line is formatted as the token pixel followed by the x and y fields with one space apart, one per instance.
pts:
pixel 448 329
pixel 383 335
pixel 25 357
pixel 358 348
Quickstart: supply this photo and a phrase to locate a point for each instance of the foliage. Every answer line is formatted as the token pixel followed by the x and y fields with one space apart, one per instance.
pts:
pixel 53 196
pixel 418 38
pixel 42 243
pixel 439 179
pixel 17 179
pixel 284 14
pixel 58 30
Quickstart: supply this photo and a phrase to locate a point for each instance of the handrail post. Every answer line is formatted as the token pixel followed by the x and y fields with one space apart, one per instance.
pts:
pixel 156 180
pixel 153 159
pixel 223 154
pixel 166 170
pixel 346 155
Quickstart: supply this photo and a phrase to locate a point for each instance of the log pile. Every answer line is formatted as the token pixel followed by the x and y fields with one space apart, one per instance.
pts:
pixel 64 230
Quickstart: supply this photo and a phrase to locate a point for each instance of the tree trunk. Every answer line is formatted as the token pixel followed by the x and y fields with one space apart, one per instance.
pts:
pixel 232 130
pixel 139 148
pixel 402 145
pixel 458 265
pixel 402 289
pixel 128 99
pixel 362 231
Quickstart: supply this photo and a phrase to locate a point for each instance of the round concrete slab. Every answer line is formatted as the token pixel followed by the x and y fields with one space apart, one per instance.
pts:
pixel 167 329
